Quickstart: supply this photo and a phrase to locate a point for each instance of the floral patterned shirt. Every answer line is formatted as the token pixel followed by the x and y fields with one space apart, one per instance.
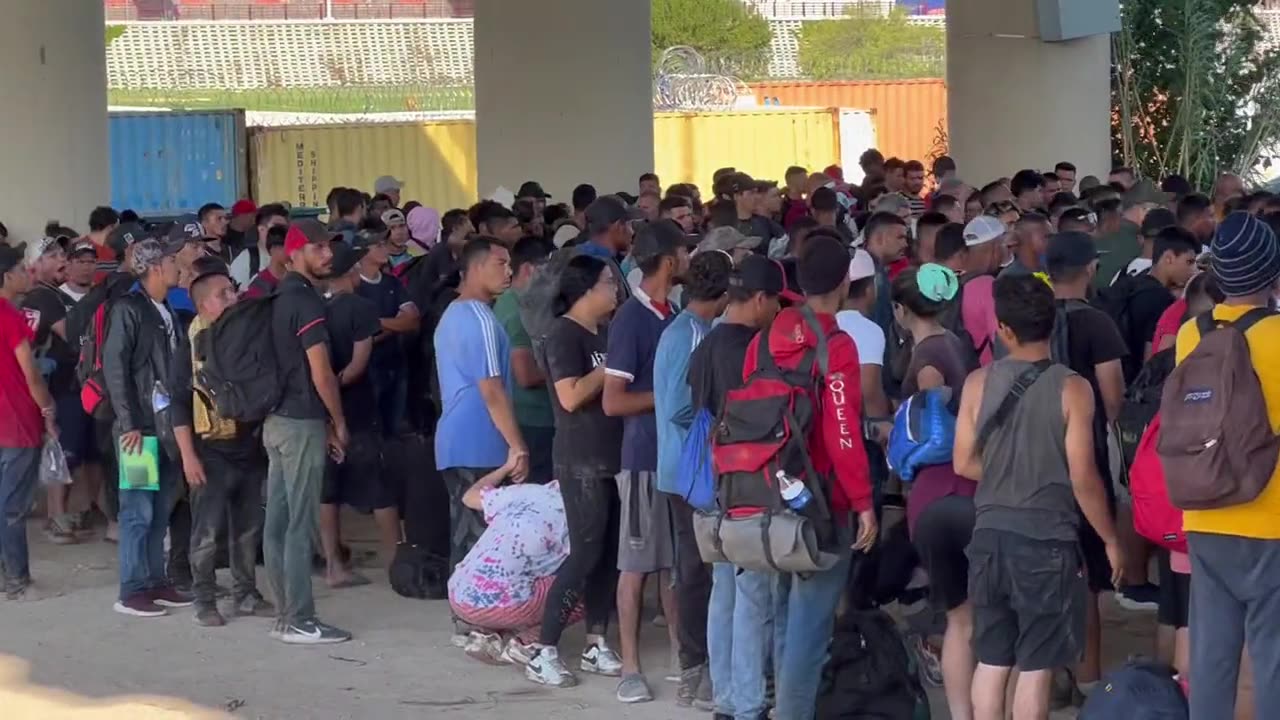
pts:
pixel 527 540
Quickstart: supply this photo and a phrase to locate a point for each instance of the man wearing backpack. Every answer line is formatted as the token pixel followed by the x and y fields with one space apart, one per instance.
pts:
pixel 143 337
pixel 1235 539
pixel 1025 435
pixel 974 254
pixel 838 456
pixel 257 257
pixel 1148 294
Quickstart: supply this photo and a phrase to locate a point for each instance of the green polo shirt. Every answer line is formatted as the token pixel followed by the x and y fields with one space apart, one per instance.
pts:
pixel 532 405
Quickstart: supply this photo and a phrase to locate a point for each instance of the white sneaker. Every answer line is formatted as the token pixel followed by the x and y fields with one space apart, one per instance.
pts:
pixel 487 648
pixel 519 653
pixel 600 660
pixel 459 640
pixel 545 668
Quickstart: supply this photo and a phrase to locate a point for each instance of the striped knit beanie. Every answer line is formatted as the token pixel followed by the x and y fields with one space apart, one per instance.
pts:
pixel 1246 257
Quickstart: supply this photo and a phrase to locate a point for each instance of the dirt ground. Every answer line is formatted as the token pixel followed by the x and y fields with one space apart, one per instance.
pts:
pixel 68 655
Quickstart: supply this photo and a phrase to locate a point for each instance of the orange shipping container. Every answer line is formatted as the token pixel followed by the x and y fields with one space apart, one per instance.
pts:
pixel 910 115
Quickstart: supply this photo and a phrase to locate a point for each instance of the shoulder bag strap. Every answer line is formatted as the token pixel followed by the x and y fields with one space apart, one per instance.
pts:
pixel 1020 387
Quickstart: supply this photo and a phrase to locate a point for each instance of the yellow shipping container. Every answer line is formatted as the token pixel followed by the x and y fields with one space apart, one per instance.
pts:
pixel 435 160
pixel 689 147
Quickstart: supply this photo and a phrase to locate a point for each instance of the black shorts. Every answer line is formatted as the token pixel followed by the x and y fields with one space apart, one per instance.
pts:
pixel 943 530
pixel 1175 594
pixel 1028 601
pixel 360 481
pixel 75 431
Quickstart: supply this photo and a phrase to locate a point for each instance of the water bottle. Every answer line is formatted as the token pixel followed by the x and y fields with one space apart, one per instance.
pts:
pixel 794 492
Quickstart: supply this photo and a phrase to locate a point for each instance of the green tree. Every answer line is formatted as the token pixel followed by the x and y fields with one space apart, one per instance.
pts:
pixel 870 46
pixel 1194 90
pixel 730 35
pixel 114 31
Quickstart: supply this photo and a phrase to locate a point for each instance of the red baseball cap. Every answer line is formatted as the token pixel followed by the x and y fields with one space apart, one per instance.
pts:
pixel 303 232
pixel 244 207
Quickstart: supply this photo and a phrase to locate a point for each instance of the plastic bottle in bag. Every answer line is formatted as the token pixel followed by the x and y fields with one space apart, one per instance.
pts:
pixel 53 463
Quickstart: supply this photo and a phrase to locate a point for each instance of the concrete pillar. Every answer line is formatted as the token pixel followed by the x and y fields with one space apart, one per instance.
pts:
pixel 53 127
pixel 1016 102
pixel 564 94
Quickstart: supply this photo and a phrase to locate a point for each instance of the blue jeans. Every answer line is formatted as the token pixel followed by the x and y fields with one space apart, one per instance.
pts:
pixel 755 599
pixel 19 468
pixel 720 635
pixel 144 518
pixel 805 617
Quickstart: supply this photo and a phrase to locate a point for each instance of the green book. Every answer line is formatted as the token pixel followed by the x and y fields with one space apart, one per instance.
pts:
pixel 141 470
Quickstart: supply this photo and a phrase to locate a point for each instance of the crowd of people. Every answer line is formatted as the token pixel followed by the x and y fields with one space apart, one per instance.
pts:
pixel 562 355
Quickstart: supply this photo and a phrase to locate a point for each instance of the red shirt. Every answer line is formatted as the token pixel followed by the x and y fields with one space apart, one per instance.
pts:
pixel 1169 322
pixel 836 445
pixel 898 266
pixel 262 284
pixel 20 423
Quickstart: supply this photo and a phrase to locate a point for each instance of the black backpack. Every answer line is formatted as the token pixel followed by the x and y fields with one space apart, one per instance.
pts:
pixel 239 375
pixel 1141 403
pixel 1059 339
pixel 1117 301
pixel 869 674
pixel 416 572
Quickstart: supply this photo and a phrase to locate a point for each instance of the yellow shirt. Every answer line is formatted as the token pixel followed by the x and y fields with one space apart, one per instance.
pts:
pixel 1259 519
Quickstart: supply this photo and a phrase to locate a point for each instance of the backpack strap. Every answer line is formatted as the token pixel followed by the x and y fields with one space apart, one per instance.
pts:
pixel 1207 323
pixel 255 260
pixel 1020 387
pixel 820 355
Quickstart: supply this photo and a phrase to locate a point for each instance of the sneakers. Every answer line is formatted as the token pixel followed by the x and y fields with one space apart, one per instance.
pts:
pixel 170 597
pixel 598 659
pixel 687 689
pixel 634 689
pixel 545 668
pixel 139 605
pixel 518 652
pixel 60 532
pixel 487 648
pixel 1144 597
pixel 208 616
pixel 18 589
pixel 277 630
pixel 255 605
pixel 460 640
pixel 927 659
pixel 312 632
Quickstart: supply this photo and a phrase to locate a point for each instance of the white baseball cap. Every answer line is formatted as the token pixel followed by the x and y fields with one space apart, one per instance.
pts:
pixel 861 265
pixel 982 230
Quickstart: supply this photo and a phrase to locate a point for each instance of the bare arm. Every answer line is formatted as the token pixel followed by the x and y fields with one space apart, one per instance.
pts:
pixel 326 382
pixel 474 496
pixel 406 320
pixel 965 457
pixel 525 368
pixel 498 403
pixel 1110 376
pixel 620 402
pixel 360 354
pixel 875 404
pixel 1086 484
pixel 35 383
pixel 574 392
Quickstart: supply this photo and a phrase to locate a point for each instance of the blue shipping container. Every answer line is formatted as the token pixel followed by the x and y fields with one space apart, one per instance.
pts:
pixel 169 163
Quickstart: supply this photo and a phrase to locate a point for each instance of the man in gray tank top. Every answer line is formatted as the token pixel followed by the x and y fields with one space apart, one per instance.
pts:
pixel 1025 435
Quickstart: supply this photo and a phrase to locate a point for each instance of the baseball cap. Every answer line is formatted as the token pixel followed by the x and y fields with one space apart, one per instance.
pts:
pixel 82 246
pixel 607 210
pixel 10 257
pixel 727 239
pixel 657 239
pixel 124 235
pixel 244 207
pixel 393 217
pixel 982 230
pixel 1158 219
pixel 184 230
pixel 302 232
pixel 1071 249
pixel 757 273
pixel 346 257
pixel 148 253
pixel 533 189
pixel 37 249
pixel 734 183
pixel 386 184
pixel 861 265
pixel 1078 214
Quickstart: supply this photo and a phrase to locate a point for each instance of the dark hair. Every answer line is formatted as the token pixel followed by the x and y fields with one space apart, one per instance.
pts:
pixel 988 189
pixel 382 197
pixel 906 292
pixel 932 219
pixel 207 208
pixel 1025 180
pixel 949 242
pixel 892 164
pixel 859 287
pixel 528 249
pixel 347 201
pixel 1205 284
pixel 723 214
pixel 524 210
pixel 554 213
pixel 648 176
pixel 943 164
pixel 583 195
pixel 1025 305
pixel 1050 177
pixel 943 203
pixel 411 206
pixel 101 218
pixel 1117 186
pixel 451 220
pixel 708 276
pixel 578 277
pixel 332 197
pixel 823 200
pixel 1122 170
pixel 1107 207
pixel 881 220
pixel 266 212
pixel 1174 239
pixel 276 235
pixel 1064 165
pixel 126 216
pixel 795 170
pixel 913 166
pixel 486 212
pixel 476 250
pixel 871 156
pixel 1177 185
pixel 373 226
pixel 671 202
pixel 1192 206
pixel 1061 201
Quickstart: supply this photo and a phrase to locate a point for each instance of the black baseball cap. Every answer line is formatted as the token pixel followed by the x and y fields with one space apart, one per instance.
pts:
pixel 11 257
pixel 1072 249
pixel 1158 219
pixel 1078 214
pixel 658 239
pixel 757 273
pixel 125 235
pixel 346 257
pixel 607 210
pixel 733 183
pixel 80 247
pixel 533 189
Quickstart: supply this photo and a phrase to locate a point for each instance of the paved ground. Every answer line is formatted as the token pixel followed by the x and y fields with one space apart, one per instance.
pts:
pixel 68 655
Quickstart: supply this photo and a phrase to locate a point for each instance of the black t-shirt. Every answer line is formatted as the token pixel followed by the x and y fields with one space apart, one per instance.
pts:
pixel 352 318
pixel 298 323
pixel 388 294
pixel 1147 302
pixel 715 367
pixel 587 439
pixel 1093 339
pixel 44 306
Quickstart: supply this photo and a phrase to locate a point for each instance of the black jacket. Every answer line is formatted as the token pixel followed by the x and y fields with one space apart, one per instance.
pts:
pixel 135 356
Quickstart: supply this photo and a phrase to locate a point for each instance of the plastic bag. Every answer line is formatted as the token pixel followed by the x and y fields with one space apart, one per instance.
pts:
pixel 53 464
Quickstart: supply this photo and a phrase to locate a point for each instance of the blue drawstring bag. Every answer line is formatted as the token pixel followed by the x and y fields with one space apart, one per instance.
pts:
pixel 924 433
pixel 696 481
